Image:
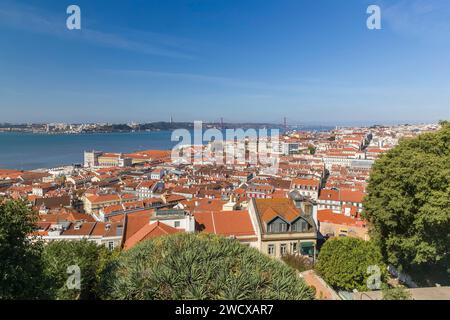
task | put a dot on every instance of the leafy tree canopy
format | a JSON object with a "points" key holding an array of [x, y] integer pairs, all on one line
{"points": [[200, 266], [408, 202], [95, 263], [21, 268], [344, 263]]}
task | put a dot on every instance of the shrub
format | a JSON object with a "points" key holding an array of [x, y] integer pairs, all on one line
{"points": [[344, 263], [201, 266], [96, 265]]}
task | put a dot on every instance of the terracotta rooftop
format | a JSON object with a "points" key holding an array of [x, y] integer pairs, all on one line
{"points": [[270, 208], [149, 231], [329, 216], [225, 223]]}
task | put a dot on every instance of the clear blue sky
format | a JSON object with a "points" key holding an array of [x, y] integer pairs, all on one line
{"points": [[243, 60]]}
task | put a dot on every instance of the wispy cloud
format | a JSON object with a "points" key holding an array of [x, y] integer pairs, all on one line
{"points": [[296, 88], [194, 77], [254, 88], [424, 19], [32, 19]]}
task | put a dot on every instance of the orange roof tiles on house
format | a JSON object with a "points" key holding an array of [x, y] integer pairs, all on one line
{"points": [[113, 208], [280, 194], [329, 194], [107, 229], [152, 201], [346, 195], [185, 190], [199, 205], [270, 208], [225, 223], [21, 189], [328, 216], [147, 184], [352, 195], [173, 198], [128, 196], [149, 231], [149, 154], [305, 182], [103, 198], [32, 197], [116, 218], [124, 206], [135, 221], [68, 216], [10, 174], [81, 229]]}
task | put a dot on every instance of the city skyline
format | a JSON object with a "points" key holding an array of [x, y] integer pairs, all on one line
{"points": [[252, 61]]}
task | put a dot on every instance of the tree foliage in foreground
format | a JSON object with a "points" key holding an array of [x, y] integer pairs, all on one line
{"points": [[21, 267], [408, 202], [397, 293], [200, 266], [95, 263], [344, 263]]}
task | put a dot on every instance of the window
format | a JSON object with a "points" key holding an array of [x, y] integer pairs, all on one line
{"points": [[177, 224], [111, 245], [271, 249], [305, 227], [307, 249], [300, 225], [283, 248], [278, 226], [293, 247]]}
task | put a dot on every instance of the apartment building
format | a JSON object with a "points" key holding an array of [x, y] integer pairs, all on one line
{"points": [[284, 226]]}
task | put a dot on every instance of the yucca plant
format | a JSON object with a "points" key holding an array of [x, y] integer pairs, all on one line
{"points": [[200, 266]]}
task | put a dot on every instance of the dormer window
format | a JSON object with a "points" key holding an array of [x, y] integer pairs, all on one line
{"points": [[300, 225], [277, 226]]}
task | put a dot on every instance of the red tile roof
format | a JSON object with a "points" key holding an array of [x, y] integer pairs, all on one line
{"points": [[225, 223], [149, 231], [305, 182], [270, 208], [103, 198], [328, 216], [345, 195], [135, 221]]}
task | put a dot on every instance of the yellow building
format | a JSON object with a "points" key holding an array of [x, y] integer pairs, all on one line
{"points": [[284, 226]]}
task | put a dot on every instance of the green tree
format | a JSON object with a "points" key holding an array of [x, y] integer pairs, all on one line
{"points": [[344, 263], [200, 266], [408, 202], [96, 264], [21, 268]]}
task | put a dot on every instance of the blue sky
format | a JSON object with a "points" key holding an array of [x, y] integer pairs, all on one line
{"points": [[243, 60]]}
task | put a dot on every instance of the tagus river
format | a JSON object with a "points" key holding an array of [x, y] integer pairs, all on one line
{"points": [[27, 151]]}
